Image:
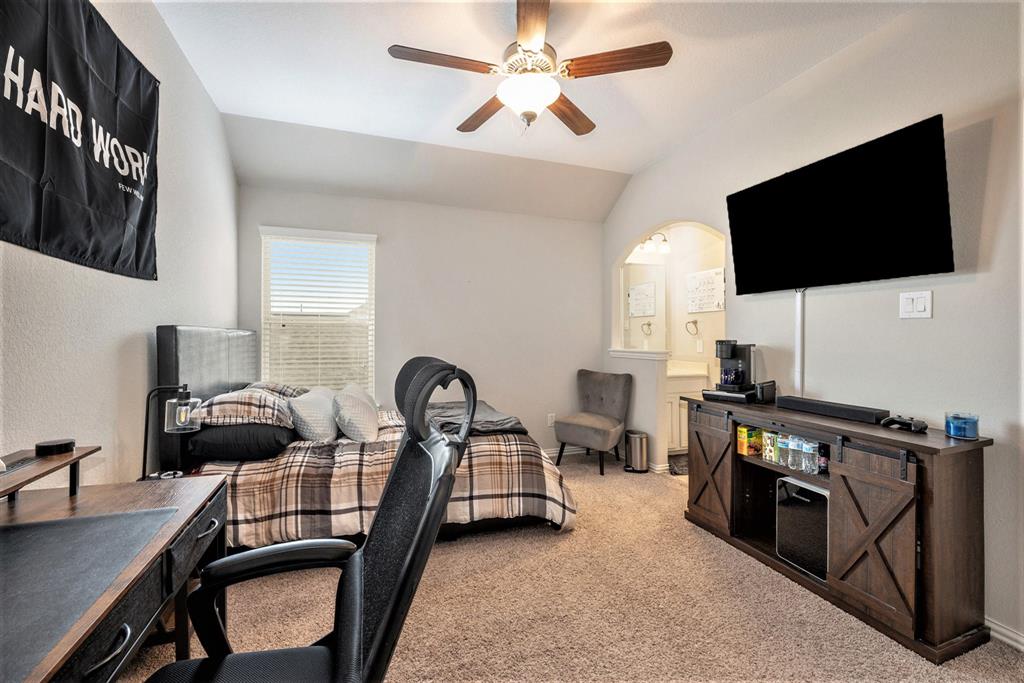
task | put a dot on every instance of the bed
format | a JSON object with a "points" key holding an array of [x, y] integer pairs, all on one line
{"points": [[331, 488]]}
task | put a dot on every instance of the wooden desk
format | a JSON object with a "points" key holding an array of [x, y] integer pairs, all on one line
{"points": [[111, 631]]}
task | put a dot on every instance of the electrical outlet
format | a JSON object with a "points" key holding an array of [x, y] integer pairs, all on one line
{"points": [[551, 419]]}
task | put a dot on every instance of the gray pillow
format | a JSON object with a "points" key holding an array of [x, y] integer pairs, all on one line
{"points": [[355, 413], [361, 393], [313, 415]]}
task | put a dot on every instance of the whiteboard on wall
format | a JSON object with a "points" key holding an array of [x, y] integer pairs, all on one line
{"points": [[705, 291], [642, 300]]}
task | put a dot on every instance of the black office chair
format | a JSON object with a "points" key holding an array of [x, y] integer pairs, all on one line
{"points": [[378, 580]]}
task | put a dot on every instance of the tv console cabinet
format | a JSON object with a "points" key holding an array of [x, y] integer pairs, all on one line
{"points": [[905, 518]]}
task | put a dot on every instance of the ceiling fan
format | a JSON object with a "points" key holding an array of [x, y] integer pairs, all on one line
{"points": [[530, 66]]}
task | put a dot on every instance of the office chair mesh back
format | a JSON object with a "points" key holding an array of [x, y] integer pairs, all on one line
{"points": [[407, 520]]}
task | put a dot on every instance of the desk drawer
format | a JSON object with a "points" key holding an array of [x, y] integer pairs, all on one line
{"points": [[119, 635], [188, 548]]}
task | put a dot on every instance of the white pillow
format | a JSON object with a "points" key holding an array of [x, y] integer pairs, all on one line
{"points": [[355, 412], [313, 415]]}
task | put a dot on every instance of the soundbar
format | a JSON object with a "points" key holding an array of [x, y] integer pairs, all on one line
{"points": [[840, 410]]}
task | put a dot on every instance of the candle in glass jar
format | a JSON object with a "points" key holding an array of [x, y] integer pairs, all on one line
{"points": [[962, 425]]}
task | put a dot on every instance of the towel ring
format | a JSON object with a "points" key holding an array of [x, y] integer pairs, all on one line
{"points": [[647, 328], [696, 329]]}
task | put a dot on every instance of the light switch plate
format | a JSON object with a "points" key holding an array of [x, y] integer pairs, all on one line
{"points": [[916, 304]]}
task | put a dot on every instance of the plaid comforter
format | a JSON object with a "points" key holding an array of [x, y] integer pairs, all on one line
{"points": [[323, 489]]}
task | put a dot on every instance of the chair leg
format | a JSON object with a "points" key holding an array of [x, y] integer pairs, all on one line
{"points": [[561, 449], [616, 452], [600, 455]]}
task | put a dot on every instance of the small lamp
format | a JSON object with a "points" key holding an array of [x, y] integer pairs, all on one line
{"points": [[181, 415]]}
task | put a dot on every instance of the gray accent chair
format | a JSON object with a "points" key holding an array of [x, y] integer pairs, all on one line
{"points": [[604, 402]]}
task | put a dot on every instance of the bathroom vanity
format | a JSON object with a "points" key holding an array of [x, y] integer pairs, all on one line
{"points": [[684, 377]]}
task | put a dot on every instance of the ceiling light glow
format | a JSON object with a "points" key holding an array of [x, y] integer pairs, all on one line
{"points": [[528, 94]]}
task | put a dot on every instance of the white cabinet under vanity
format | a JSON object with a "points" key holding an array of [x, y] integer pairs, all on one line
{"points": [[684, 377]]}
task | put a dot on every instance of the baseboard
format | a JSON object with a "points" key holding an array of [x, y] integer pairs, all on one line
{"points": [[1014, 639], [552, 454], [569, 450]]}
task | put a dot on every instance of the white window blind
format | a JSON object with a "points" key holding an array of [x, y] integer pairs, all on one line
{"points": [[317, 308]]}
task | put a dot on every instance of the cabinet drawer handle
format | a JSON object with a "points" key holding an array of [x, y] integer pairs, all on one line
{"points": [[127, 631], [214, 523]]}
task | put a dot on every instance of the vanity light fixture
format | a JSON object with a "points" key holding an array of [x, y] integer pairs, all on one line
{"points": [[656, 243]]}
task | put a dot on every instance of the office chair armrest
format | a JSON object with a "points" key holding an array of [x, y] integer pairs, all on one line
{"points": [[252, 564], [274, 559]]}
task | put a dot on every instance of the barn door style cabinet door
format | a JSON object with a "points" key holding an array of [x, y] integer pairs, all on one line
{"points": [[711, 467], [905, 520], [873, 534]]}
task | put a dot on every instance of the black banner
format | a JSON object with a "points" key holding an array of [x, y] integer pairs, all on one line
{"points": [[78, 133]]}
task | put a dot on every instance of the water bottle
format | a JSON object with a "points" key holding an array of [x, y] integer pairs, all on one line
{"points": [[810, 457], [796, 453], [782, 450]]}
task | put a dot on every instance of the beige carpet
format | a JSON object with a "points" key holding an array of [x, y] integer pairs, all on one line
{"points": [[634, 593]]}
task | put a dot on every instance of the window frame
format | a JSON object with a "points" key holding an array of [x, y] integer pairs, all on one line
{"points": [[317, 235]]}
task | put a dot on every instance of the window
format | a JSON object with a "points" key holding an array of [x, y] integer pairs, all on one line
{"points": [[317, 308]]}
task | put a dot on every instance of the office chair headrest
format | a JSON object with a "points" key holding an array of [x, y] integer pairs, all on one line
{"points": [[416, 382]]}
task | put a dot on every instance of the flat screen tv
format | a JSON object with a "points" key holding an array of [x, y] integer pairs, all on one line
{"points": [[874, 212]]}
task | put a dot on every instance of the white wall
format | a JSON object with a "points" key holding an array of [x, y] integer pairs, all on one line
{"points": [[633, 336], [78, 345], [514, 299], [694, 249], [958, 60]]}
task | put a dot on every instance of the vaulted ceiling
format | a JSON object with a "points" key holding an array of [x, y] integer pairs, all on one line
{"points": [[288, 156], [326, 65]]}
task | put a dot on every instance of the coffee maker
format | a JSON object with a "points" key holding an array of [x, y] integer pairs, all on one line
{"points": [[738, 373], [738, 366]]}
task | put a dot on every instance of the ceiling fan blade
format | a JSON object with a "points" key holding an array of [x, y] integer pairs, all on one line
{"points": [[569, 114], [480, 116], [532, 23], [438, 59], [626, 59]]}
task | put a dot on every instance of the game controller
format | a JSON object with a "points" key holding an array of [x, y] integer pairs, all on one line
{"points": [[907, 424]]}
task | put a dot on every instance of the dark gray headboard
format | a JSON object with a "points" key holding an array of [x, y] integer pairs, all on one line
{"points": [[211, 360]]}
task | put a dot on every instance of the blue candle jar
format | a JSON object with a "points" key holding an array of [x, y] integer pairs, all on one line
{"points": [[962, 425]]}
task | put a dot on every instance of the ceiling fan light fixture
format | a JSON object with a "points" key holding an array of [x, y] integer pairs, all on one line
{"points": [[528, 94]]}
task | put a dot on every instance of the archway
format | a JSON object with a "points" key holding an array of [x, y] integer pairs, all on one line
{"points": [[663, 332], [692, 247]]}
